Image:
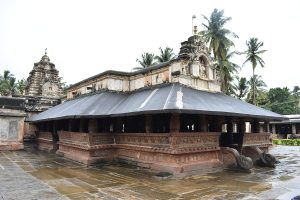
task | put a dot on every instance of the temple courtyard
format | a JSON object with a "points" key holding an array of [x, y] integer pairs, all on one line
{"points": [[31, 174]]}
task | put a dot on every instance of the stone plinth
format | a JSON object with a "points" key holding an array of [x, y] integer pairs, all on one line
{"points": [[11, 129]]}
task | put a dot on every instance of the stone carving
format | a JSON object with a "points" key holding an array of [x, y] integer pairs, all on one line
{"points": [[260, 157], [44, 79], [243, 162]]}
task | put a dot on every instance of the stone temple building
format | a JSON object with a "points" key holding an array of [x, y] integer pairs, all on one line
{"points": [[170, 117], [42, 92]]}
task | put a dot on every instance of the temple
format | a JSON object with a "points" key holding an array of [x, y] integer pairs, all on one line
{"points": [[42, 92], [171, 117]]}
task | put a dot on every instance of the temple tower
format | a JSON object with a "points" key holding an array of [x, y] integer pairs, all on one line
{"points": [[43, 80]]}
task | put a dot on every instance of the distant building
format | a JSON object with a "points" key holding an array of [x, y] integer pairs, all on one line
{"points": [[42, 92], [169, 117], [291, 125]]}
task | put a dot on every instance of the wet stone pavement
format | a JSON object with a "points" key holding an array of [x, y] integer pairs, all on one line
{"points": [[32, 174]]}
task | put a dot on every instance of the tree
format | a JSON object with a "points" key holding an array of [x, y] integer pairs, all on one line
{"points": [[281, 101], [253, 53], [256, 84], [21, 84], [215, 35], [8, 84], [226, 70], [146, 61], [165, 55], [241, 88]]}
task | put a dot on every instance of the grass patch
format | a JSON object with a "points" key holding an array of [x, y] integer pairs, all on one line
{"points": [[288, 142]]}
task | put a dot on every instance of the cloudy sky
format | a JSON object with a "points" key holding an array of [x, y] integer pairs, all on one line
{"points": [[87, 37]]}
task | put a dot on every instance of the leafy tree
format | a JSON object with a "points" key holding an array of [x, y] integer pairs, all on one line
{"points": [[226, 70], [21, 84], [215, 35], [146, 61], [256, 84], [282, 101], [166, 55], [8, 84], [241, 88], [253, 53]]}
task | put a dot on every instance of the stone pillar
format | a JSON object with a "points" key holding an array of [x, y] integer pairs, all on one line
{"points": [[294, 131], [255, 126], [118, 125], [241, 126], [148, 124], [81, 125], [216, 125], [229, 125], [266, 127], [174, 123], [92, 127], [70, 125], [273, 129], [203, 123]]}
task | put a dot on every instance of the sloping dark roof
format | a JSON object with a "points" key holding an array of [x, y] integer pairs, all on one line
{"points": [[171, 98]]}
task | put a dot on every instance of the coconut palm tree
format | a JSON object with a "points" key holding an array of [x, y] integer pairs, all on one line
{"points": [[226, 69], [146, 61], [253, 53], [215, 35], [7, 84], [165, 55], [241, 88], [21, 84], [258, 85]]}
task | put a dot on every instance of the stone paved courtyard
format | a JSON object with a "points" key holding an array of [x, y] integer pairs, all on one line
{"points": [[32, 174]]}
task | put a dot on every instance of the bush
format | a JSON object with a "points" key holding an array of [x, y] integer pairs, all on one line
{"points": [[289, 142]]}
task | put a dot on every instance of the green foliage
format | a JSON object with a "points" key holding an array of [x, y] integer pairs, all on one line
{"points": [[256, 84], [240, 88], [282, 101], [165, 55], [253, 53], [8, 85], [289, 142], [216, 35], [147, 60]]}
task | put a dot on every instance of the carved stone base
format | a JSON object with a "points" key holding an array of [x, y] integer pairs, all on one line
{"points": [[232, 159], [259, 157]]}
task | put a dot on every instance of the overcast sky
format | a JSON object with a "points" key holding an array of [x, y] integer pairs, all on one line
{"points": [[88, 37]]}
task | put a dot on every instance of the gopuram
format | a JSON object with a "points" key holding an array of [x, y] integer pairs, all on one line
{"points": [[171, 117]]}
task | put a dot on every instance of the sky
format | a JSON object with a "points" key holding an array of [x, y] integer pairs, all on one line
{"points": [[87, 37]]}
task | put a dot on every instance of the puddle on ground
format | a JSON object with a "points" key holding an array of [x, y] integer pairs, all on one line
{"points": [[60, 178]]}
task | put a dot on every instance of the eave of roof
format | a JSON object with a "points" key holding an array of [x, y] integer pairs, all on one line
{"points": [[172, 98]]}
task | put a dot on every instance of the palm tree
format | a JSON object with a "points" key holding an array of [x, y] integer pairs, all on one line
{"points": [[7, 84], [165, 55], [215, 35], [241, 88], [253, 56], [146, 61], [258, 85], [226, 70], [21, 84]]}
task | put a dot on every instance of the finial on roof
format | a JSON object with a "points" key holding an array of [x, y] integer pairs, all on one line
{"points": [[193, 17], [46, 51]]}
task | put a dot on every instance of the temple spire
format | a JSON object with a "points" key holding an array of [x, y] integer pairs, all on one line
{"points": [[46, 51]]}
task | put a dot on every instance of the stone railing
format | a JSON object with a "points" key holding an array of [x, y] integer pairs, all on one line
{"points": [[252, 139], [195, 139], [44, 135], [73, 137], [161, 140], [144, 139]]}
